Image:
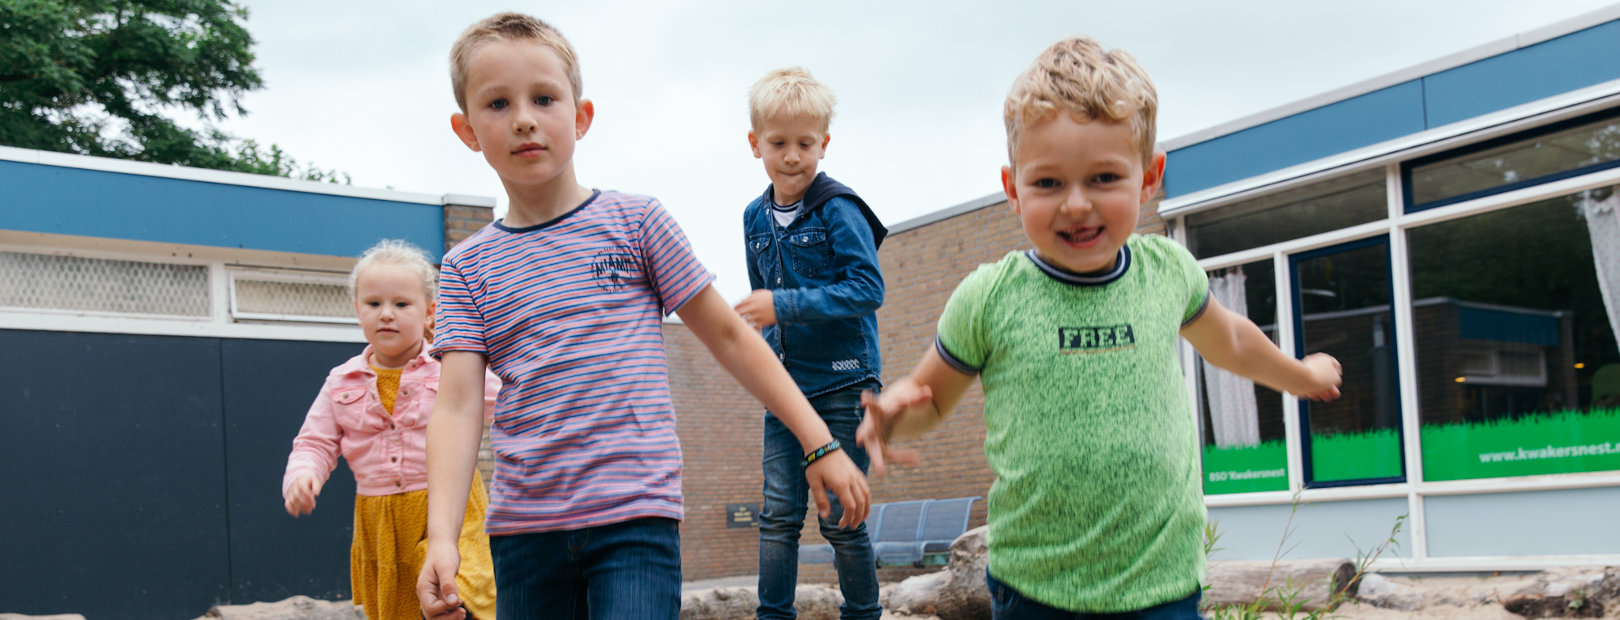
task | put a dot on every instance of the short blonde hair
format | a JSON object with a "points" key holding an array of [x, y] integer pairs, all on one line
{"points": [[510, 27], [1076, 75], [403, 254], [790, 92]]}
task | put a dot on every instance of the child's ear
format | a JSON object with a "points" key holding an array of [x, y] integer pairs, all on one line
{"points": [[1009, 187], [584, 113], [464, 130], [825, 138], [427, 327], [753, 143], [1152, 176]]}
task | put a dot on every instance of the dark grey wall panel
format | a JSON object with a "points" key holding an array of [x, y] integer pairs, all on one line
{"points": [[112, 474], [269, 385]]}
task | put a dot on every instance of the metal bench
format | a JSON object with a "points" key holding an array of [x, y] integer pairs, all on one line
{"points": [[912, 533]]}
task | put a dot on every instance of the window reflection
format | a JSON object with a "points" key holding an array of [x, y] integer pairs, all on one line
{"points": [[1585, 145], [1245, 446], [1519, 373], [1344, 299], [1300, 212]]}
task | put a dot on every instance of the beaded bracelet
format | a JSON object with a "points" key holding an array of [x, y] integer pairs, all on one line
{"points": [[832, 446]]}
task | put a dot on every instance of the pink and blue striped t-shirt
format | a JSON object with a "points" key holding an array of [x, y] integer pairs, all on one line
{"points": [[569, 314]]}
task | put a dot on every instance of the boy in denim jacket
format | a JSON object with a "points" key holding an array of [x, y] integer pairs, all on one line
{"points": [[812, 262]]}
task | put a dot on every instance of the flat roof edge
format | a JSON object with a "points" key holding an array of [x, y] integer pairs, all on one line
{"points": [[243, 179], [948, 212], [1420, 70]]}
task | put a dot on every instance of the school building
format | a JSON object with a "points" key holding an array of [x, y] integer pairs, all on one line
{"points": [[166, 329], [1449, 232]]}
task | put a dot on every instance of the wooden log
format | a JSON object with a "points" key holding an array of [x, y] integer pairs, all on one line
{"points": [[1310, 584]]}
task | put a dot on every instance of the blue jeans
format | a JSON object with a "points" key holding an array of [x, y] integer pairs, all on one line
{"points": [[1007, 604], [787, 497], [620, 570]]}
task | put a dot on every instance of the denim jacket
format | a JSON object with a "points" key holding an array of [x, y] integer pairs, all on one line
{"points": [[823, 274]]}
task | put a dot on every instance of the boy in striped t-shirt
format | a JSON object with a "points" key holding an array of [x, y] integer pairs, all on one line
{"points": [[563, 299]]}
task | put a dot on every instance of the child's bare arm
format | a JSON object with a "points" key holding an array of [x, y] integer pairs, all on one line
{"points": [[910, 406], [745, 355], [1233, 342], [454, 431]]}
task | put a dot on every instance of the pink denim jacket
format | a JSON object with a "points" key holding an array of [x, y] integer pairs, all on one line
{"points": [[388, 454]]}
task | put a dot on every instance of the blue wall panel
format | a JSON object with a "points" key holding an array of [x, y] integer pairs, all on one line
{"points": [[1560, 65], [1335, 128], [1320, 530], [94, 203], [1577, 521], [1573, 61]]}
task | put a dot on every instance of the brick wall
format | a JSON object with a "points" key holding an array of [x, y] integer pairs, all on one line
{"points": [[460, 222], [720, 427], [720, 424]]}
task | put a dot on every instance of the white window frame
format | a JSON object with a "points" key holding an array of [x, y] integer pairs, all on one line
{"points": [[1395, 226]]}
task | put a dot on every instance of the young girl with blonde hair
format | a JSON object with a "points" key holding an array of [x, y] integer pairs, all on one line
{"points": [[373, 410]]}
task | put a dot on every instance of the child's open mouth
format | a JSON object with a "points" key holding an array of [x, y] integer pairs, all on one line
{"points": [[1081, 236]]}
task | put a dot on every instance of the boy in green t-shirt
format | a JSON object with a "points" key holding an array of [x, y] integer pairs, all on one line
{"points": [[1096, 507]]}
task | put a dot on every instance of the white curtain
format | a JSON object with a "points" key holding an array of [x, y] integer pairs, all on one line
{"points": [[1603, 222], [1232, 410]]}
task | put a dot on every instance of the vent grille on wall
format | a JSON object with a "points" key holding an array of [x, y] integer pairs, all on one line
{"points": [[72, 283], [268, 296]]}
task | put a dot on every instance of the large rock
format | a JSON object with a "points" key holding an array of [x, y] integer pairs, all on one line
{"points": [[295, 608], [812, 602], [1567, 594], [955, 593], [1314, 585]]}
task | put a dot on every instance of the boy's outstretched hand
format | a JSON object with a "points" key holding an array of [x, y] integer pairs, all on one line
{"points": [[1327, 374], [436, 585], [758, 309], [882, 411], [835, 472]]}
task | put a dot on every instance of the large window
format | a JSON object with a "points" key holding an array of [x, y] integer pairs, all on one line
{"points": [[1514, 314], [1566, 149], [1245, 445], [1316, 208], [1342, 295], [1518, 368]]}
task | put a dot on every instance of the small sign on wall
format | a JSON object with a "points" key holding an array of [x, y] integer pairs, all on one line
{"points": [[742, 515]]}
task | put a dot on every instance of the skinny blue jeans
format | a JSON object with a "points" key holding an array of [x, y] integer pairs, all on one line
{"points": [[787, 498]]}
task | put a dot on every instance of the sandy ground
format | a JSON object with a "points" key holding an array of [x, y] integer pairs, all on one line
{"points": [[1455, 597]]}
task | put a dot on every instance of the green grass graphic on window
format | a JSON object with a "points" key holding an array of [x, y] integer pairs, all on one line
{"points": [[1355, 456], [1247, 469], [1566, 442]]}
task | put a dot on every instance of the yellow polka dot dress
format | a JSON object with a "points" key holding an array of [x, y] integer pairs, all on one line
{"points": [[390, 544]]}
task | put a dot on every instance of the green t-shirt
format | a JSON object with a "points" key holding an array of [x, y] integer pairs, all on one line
{"points": [[1096, 505]]}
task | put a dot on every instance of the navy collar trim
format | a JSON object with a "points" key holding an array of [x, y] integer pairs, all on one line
{"points": [[501, 223], [785, 208], [1121, 265]]}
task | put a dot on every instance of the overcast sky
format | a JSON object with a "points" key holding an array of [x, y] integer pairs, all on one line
{"points": [[363, 87]]}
